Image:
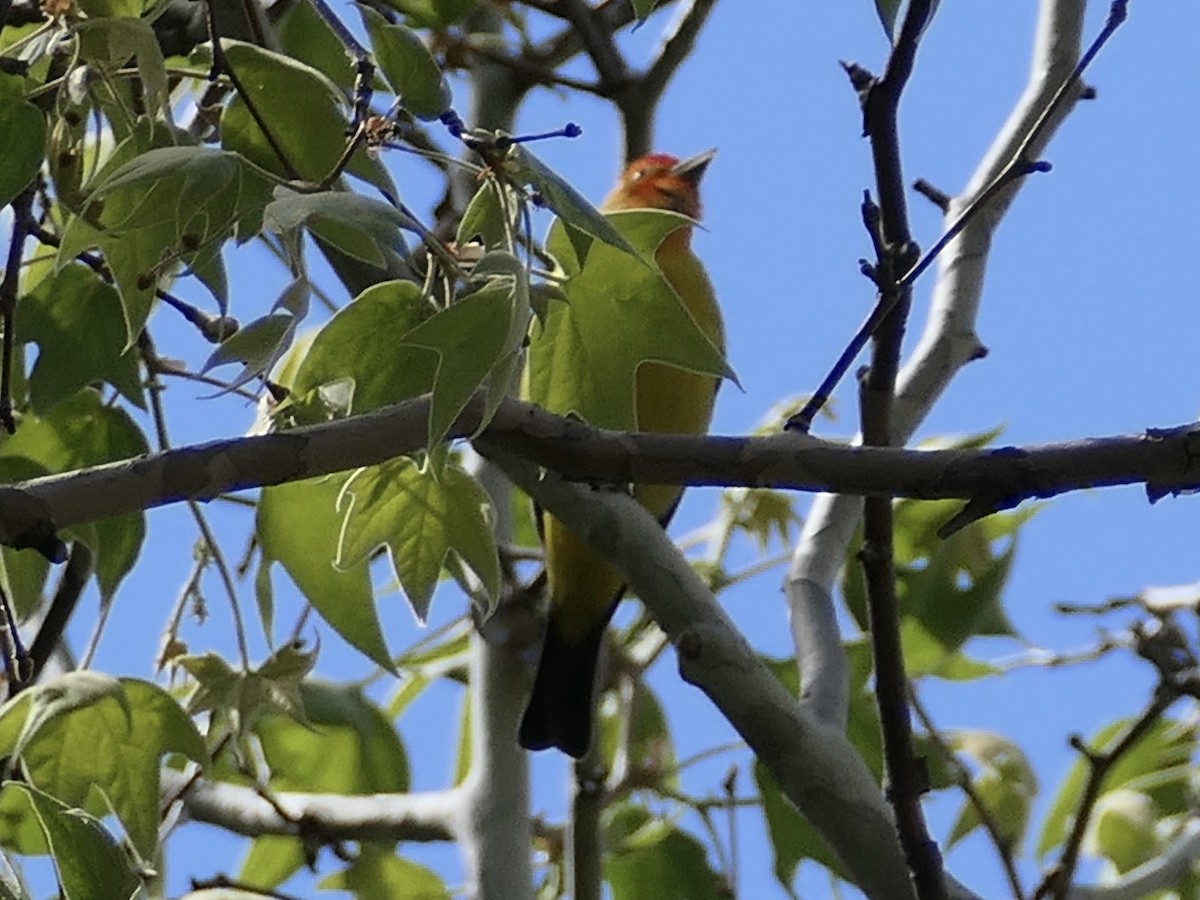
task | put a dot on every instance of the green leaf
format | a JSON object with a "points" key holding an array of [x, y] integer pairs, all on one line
{"points": [[109, 43], [1004, 781], [792, 839], [298, 526], [572, 208], [650, 859], [484, 217], [23, 575], [643, 8], [136, 229], [22, 139], [642, 733], [347, 747], [154, 208], [257, 345], [420, 517], [950, 589], [312, 134], [77, 433], [471, 338], [1124, 830], [246, 696], [619, 313], [85, 732], [1158, 765], [379, 874], [20, 830], [363, 228], [361, 345], [305, 36], [76, 321], [90, 863], [408, 66]]}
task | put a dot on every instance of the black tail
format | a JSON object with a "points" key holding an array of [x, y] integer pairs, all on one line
{"points": [[561, 707]]}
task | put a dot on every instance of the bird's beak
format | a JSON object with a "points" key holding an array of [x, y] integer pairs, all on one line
{"points": [[693, 168]]}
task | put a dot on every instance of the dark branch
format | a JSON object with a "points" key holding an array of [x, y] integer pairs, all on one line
{"points": [[1166, 461]]}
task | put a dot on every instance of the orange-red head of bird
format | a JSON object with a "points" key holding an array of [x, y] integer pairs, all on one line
{"points": [[660, 181]]}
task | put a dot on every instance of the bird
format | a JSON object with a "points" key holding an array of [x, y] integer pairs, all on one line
{"points": [[583, 589]]}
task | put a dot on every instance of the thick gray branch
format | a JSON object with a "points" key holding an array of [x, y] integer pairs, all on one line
{"points": [[1165, 461], [814, 764], [947, 343], [430, 816]]}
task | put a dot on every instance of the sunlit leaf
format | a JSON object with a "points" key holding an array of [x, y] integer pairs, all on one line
{"points": [[620, 312], [1158, 765], [85, 731], [89, 861], [361, 345], [299, 527], [1003, 781], [377, 874], [419, 517]]}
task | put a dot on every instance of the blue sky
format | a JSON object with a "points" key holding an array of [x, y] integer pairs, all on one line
{"points": [[1089, 313]]}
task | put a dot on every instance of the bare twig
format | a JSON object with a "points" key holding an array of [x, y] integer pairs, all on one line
{"points": [[62, 606], [639, 96], [1019, 165], [963, 779], [221, 65], [907, 776], [160, 425], [1057, 881], [22, 206]]}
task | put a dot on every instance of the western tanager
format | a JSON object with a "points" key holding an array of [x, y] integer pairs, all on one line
{"points": [[584, 590]]}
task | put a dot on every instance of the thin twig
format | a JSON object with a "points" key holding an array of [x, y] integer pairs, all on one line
{"points": [[1057, 881], [188, 593], [221, 65], [22, 207], [62, 606], [1018, 167], [1021, 165], [160, 425], [963, 778], [907, 777]]}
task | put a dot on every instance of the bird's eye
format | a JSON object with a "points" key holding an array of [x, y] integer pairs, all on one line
{"points": [[637, 174]]}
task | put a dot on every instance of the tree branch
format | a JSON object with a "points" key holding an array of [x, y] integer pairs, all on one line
{"points": [[429, 816], [948, 343], [815, 765], [907, 776], [1167, 461]]}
